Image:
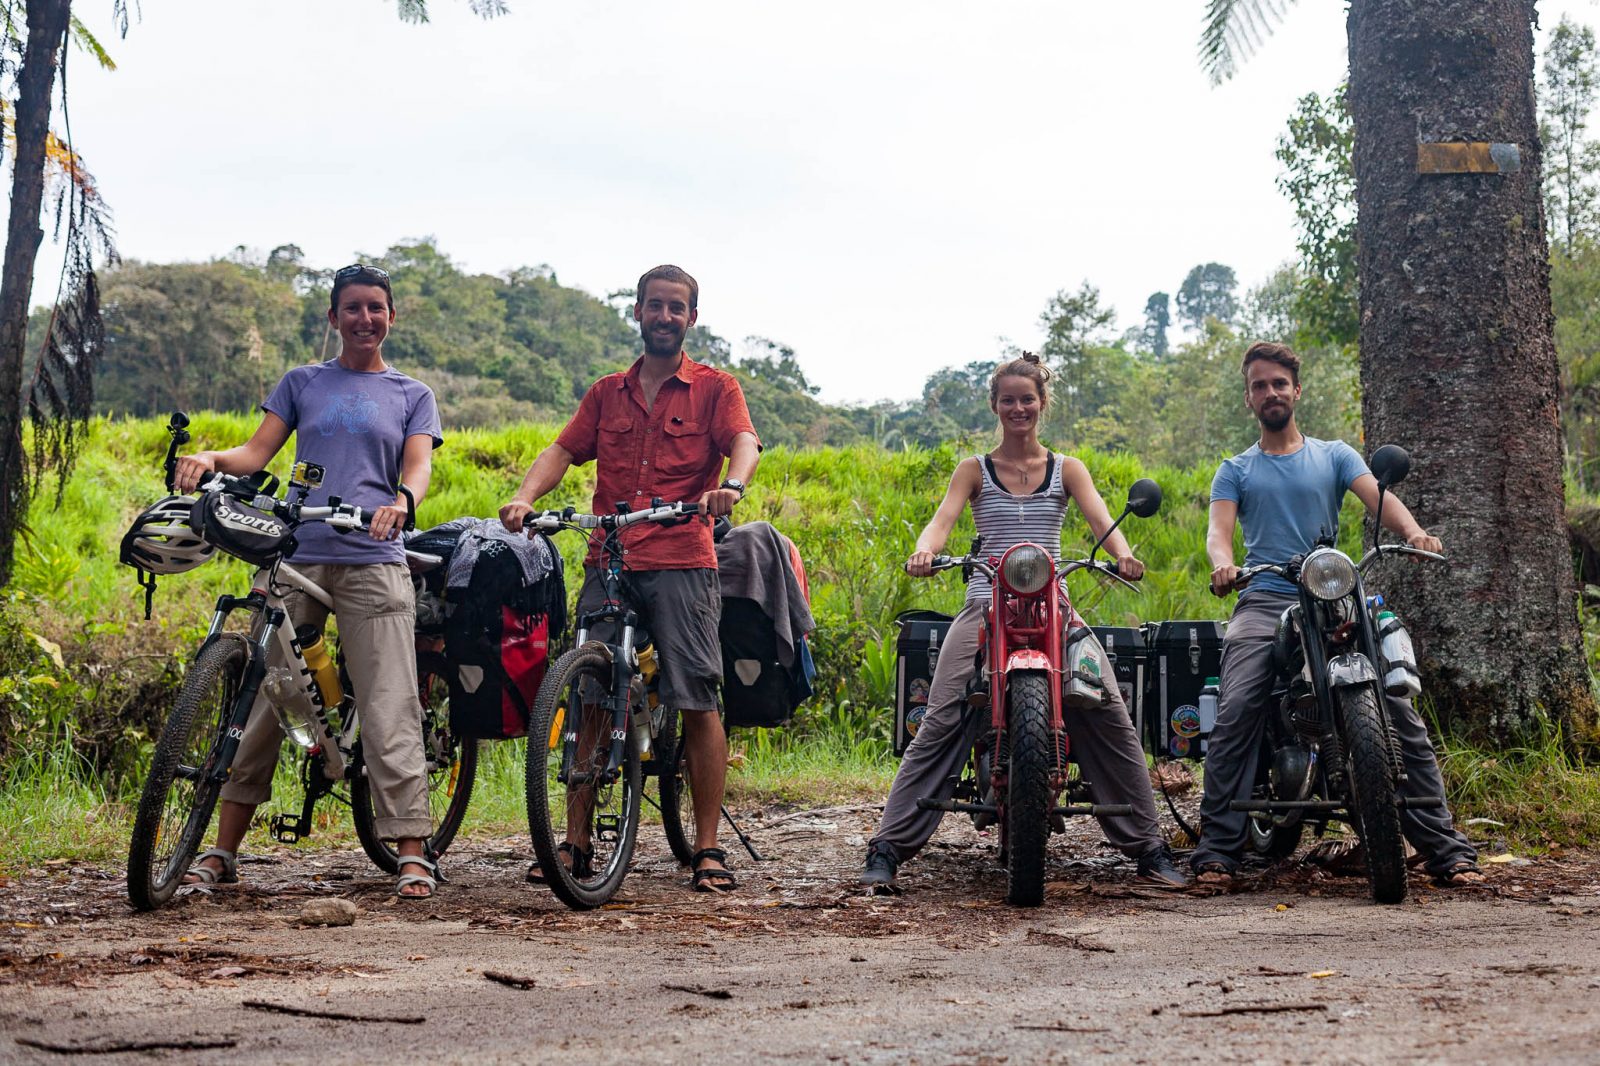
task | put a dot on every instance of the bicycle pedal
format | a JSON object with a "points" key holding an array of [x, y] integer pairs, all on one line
{"points": [[608, 827], [287, 829]]}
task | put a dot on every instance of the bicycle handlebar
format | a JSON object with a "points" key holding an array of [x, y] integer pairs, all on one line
{"points": [[570, 518]]}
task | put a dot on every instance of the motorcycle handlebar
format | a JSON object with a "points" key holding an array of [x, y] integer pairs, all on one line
{"points": [[1400, 549], [1063, 567]]}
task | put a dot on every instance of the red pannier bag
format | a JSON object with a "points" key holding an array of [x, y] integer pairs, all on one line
{"points": [[497, 636]]}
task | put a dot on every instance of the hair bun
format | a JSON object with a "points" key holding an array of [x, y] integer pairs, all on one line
{"points": [[1029, 357]]}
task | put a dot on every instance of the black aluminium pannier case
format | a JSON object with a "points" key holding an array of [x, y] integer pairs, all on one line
{"points": [[1182, 656], [919, 631], [1130, 661]]}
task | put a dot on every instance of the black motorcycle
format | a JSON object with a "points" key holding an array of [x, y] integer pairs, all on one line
{"points": [[1329, 750]]}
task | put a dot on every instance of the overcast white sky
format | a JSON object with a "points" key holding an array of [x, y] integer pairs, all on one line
{"points": [[888, 187]]}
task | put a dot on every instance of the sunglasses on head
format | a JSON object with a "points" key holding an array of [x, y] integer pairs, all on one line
{"points": [[359, 268]]}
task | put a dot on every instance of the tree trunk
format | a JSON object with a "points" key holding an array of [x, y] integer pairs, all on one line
{"points": [[47, 28], [1458, 359]]}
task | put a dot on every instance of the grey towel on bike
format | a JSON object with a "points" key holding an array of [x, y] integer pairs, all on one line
{"points": [[753, 562], [487, 536]]}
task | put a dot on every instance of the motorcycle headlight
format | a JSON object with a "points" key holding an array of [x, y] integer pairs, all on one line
{"points": [[1328, 574], [1026, 569]]}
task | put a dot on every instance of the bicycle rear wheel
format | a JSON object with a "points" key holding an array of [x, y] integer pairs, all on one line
{"points": [[577, 802], [180, 792], [677, 797], [452, 769]]}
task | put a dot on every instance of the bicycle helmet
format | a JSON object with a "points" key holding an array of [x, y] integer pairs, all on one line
{"points": [[161, 541]]}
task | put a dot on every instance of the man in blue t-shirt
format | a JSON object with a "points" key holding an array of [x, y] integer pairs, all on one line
{"points": [[1286, 491]]}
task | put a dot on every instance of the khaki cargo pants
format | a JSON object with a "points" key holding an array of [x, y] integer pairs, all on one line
{"points": [[377, 617]]}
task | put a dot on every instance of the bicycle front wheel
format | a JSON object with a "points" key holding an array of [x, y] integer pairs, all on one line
{"points": [[452, 768], [583, 814], [180, 792]]}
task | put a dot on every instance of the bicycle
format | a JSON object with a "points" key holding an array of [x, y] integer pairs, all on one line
{"points": [[603, 730], [320, 713]]}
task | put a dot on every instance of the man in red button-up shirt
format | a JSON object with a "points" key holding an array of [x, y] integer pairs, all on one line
{"points": [[661, 430]]}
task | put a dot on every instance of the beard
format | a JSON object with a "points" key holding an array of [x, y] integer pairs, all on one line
{"points": [[1275, 418], [664, 344]]}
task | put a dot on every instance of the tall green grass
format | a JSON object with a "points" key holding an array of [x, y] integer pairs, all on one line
{"points": [[75, 736]]}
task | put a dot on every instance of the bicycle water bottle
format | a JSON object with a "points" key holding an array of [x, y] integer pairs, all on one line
{"points": [[322, 668], [292, 702], [1401, 677], [1208, 711], [642, 707]]}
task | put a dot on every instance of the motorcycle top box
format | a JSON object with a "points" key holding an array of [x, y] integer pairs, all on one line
{"points": [[1184, 656], [917, 648]]}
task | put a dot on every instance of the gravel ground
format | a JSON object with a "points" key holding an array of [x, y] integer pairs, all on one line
{"points": [[1294, 964]]}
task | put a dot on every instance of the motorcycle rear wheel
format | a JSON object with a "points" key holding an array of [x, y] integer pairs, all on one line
{"points": [[1373, 793], [1266, 837], [1028, 794]]}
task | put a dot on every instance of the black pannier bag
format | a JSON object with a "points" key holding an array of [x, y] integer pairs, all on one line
{"points": [[765, 618], [499, 624]]}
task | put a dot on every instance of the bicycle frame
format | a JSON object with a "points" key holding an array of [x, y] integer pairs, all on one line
{"points": [[613, 608], [272, 628], [624, 664]]}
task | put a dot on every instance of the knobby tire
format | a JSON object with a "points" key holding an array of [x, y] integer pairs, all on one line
{"points": [[162, 846], [1028, 793], [550, 803], [1373, 792]]}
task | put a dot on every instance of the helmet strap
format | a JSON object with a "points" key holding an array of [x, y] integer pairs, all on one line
{"points": [[147, 581]]}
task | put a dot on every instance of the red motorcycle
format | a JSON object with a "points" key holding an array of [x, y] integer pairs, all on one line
{"points": [[1019, 770]]}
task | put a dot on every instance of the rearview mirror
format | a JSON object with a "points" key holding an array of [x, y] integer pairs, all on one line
{"points": [[1390, 465], [1144, 497]]}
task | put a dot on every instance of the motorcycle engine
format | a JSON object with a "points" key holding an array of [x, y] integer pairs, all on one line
{"points": [[1293, 767]]}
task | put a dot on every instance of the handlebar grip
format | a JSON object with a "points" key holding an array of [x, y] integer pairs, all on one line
{"points": [[411, 508]]}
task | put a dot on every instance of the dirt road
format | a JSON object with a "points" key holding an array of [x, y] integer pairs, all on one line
{"points": [[798, 966]]}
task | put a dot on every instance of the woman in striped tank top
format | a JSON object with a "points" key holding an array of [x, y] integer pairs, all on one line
{"points": [[1018, 492]]}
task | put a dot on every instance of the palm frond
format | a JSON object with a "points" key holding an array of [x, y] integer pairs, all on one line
{"points": [[417, 10], [1232, 30], [87, 41]]}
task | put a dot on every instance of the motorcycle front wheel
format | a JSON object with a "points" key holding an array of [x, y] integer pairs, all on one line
{"points": [[1028, 794], [1373, 792]]}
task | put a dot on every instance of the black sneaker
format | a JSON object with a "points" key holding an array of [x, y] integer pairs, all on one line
{"points": [[1158, 868], [878, 873]]}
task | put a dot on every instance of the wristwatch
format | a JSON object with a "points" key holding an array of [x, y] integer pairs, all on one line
{"points": [[733, 483]]}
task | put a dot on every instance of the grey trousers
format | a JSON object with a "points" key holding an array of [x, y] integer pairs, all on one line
{"points": [[1235, 747], [1104, 744], [377, 620]]}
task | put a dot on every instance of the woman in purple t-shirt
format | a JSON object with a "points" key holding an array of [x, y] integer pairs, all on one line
{"points": [[371, 427]]}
